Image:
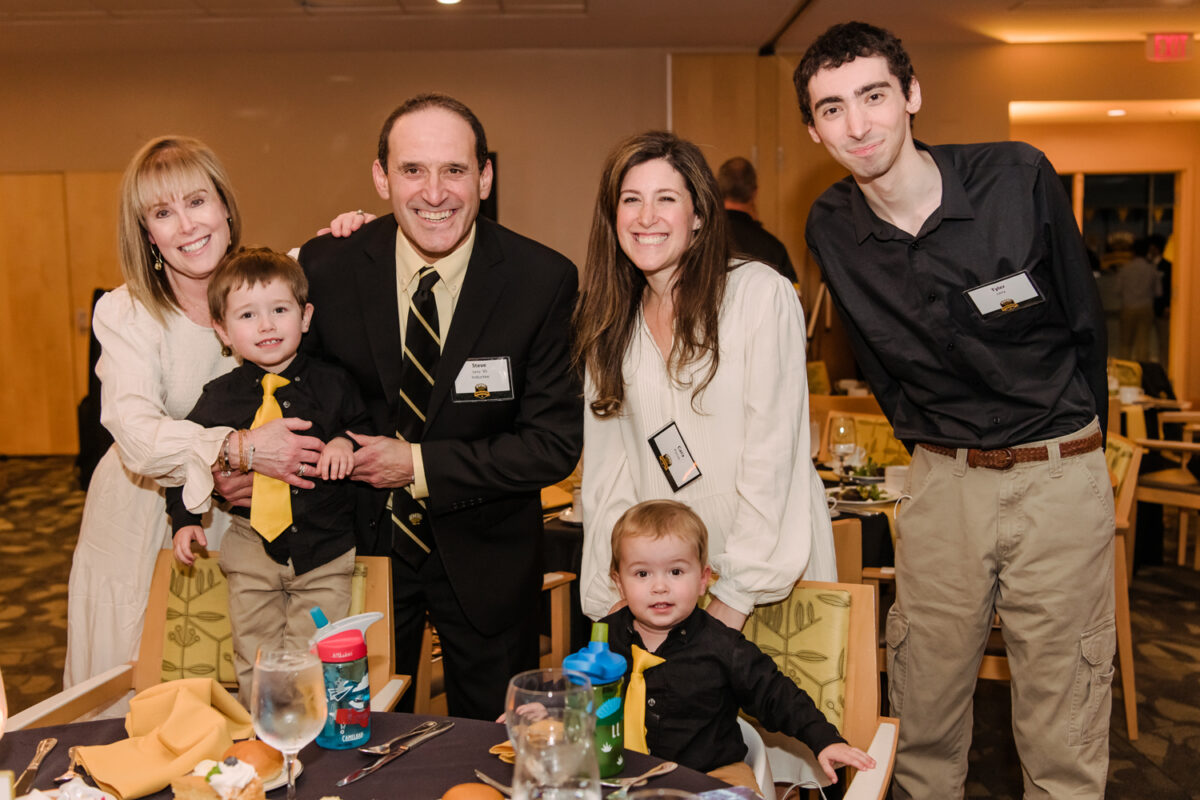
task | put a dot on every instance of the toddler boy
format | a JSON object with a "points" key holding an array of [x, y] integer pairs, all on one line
{"points": [[704, 670], [293, 549]]}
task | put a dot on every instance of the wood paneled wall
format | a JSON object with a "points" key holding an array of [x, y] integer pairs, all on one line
{"points": [[57, 243]]}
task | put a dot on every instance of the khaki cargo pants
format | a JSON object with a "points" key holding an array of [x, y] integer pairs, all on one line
{"points": [[1034, 543]]}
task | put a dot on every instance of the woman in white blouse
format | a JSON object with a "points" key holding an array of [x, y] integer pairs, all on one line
{"points": [[178, 218], [698, 357]]}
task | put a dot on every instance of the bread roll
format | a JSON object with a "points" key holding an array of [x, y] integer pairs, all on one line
{"points": [[266, 760]]}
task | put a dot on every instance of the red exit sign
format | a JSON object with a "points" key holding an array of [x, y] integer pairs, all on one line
{"points": [[1168, 46]]}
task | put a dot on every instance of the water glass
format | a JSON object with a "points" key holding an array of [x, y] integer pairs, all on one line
{"points": [[551, 720], [842, 441], [287, 703]]}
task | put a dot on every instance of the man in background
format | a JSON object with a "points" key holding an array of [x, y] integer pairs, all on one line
{"points": [[739, 187]]}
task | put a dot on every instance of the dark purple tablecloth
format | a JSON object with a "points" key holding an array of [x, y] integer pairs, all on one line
{"points": [[424, 774]]}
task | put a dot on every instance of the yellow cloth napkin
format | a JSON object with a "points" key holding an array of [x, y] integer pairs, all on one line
{"points": [[172, 727]]}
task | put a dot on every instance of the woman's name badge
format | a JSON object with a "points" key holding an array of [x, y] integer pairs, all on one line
{"points": [[673, 456], [483, 379], [1010, 293]]}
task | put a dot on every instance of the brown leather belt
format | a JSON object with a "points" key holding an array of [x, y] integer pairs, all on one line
{"points": [[1005, 458]]}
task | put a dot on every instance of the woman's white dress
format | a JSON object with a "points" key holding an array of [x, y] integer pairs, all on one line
{"points": [[151, 376], [758, 493]]}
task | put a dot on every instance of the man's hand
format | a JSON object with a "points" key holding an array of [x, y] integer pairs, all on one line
{"points": [[725, 614], [234, 489], [384, 462]]}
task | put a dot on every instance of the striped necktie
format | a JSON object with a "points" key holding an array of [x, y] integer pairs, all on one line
{"points": [[635, 700], [412, 538], [271, 503]]}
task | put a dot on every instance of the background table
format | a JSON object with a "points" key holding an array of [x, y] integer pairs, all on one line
{"points": [[425, 773]]}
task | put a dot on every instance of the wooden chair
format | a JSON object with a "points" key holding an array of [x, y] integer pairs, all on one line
{"points": [[1175, 486], [847, 546], [857, 696], [430, 684], [372, 590]]}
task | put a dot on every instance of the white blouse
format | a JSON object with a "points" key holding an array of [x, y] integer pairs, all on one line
{"points": [[758, 493]]}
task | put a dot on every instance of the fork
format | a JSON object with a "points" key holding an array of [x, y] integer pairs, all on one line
{"points": [[70, 774]]}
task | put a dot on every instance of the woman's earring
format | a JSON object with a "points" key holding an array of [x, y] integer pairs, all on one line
{"points": [[158, 259]]}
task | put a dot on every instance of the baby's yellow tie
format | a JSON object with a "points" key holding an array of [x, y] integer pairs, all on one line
{"points": [[271, 504], [635, 700]]}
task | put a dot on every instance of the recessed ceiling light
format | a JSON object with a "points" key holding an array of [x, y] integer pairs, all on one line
{"points": [[449, 2], [1116, 112]]}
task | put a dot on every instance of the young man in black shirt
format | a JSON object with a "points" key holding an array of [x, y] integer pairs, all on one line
{"points": [[965, 288]]}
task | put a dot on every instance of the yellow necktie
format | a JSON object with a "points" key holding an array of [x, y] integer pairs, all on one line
{"points": [[271, 504], [635, 700]]}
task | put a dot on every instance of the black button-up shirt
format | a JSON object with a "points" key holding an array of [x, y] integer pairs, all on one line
{"points": [[942, 372], [750, 238], [692, 699], [323, 517]]}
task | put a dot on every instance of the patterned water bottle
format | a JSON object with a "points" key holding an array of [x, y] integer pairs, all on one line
{"points": [[347, 690], [606, 670]]}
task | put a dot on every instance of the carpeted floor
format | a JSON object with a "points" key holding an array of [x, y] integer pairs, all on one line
{"points": [[40, 507]]}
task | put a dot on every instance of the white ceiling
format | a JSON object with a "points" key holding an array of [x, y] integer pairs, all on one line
{"points": [[63, 26]]}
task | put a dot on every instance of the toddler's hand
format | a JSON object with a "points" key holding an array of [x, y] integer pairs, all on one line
{"points": [[183, 543], [843, 755], [337, 459]]}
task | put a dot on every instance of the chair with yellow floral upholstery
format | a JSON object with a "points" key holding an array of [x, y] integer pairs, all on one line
{"points": [[823, 636], [187, 635], [818, 378]]}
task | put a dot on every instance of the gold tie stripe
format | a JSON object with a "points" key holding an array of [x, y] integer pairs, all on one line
{"points": [[635, 700], [271, 503]]}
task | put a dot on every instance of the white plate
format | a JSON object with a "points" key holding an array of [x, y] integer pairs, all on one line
{"points": [[281, 778], [568, 516], [886, 496]]}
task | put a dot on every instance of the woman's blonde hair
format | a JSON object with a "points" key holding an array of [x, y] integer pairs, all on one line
{"points": [[169, 166], [611, 292]]}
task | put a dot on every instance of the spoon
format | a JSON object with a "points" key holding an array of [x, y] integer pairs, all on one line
{"points": [[70, 774]]}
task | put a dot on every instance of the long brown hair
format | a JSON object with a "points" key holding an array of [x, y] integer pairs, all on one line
{"points": [[612, 288], [165, 166]]}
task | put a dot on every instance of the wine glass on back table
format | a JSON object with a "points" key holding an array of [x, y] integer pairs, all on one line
{"points": [[842, 442], [287, 703]]}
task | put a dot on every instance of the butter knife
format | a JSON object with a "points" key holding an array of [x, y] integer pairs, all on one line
{"points": [[400, 750], [25, 782]]}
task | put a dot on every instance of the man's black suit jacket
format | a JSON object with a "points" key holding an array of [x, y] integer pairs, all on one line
{"points": [[485, 461]]}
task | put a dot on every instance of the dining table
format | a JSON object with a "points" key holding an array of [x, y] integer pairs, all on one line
{"points": [[425, 773]]}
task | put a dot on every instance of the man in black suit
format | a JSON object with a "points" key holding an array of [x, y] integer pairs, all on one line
{"points": [[454, 495], [739, 188]]}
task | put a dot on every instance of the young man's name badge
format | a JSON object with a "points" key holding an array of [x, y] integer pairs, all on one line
{"points": [[1006, 295], [673, 456], [482, 380]]}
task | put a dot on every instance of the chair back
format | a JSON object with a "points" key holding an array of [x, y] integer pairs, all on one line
{"points": [[847, 547], [1124, 459], [839, 670], [187, 633], [1127, 373], [818, 378]]}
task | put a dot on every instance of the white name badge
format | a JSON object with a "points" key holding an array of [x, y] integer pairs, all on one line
{"points": [[673, 456], [1010, 293], [484, 379]]}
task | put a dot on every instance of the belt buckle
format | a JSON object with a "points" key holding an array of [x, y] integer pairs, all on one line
{"points": [[1007, 457]]}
